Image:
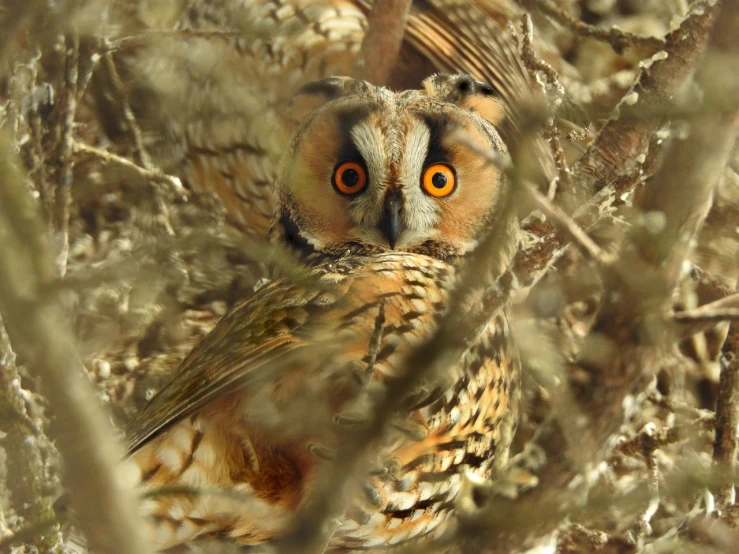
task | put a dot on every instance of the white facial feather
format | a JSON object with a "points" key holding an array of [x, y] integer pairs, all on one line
{"points": [[421, 213], [370, 142]]}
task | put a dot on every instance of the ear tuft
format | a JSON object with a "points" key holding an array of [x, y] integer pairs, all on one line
{"points": [[465, 92], [465, 85]]}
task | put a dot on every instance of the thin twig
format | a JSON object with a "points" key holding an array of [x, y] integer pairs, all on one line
{"points": [[645, 444], [643, 526], [535, 66], [63, 198], [533, 63], [618, 39], [704, 418], [724, 309], [702, 315], [651, 438], [568, 225], [141, 156], [132, 41], [560, 162], [151, 174]]}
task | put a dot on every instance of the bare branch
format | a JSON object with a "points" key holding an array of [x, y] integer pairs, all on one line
{"points": [[618, 39], [568, 225], [151, 174], [727, 417], [27, 450], [625, 137], [64, 185], [38, 329], [708, 316], [381, 44], [134, 132]]}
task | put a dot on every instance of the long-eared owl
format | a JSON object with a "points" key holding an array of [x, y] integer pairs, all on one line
{"points": [[385, 206]]}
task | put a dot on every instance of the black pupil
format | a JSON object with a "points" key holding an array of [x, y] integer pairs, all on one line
{"points": [[439, 180], [350, 178]]}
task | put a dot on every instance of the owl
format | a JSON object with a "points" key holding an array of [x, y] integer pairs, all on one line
{"points": [[204, 101], [384, 207]]}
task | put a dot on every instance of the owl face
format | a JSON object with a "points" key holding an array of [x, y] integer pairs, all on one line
{"points": [[370, 170]]}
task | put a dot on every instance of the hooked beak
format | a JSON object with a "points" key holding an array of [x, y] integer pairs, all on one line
{"points": [[390, 224]]}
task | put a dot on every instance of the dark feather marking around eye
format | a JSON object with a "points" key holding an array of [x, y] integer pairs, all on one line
{"points": [[439, 126], [293, 237], [330, 88], [349, 118]]}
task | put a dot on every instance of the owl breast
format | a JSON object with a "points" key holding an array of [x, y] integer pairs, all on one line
{"points": [[320, 358]]}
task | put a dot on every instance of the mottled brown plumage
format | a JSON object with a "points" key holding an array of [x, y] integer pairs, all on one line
{"points": [[270, 396]]}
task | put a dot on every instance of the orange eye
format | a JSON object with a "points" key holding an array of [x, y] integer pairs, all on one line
{"points": [[350, 178], [439, 180]]}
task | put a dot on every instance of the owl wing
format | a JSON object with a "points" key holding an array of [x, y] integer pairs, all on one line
{"points": [[248, 345]]}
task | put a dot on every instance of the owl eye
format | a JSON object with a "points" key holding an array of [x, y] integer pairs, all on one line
{"points": [[350, 178], [439, 180]]}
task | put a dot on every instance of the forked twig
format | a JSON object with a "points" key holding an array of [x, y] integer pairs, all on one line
{"points": [[134, 132], [618, 39], [151, 174], [568, 225]]}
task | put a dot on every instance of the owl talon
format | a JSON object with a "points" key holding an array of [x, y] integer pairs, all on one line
{"points": [[415, 430], [350, 419], [320, 451]]}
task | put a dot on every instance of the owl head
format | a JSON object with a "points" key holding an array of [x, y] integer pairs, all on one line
{"points": [[370, 170]]}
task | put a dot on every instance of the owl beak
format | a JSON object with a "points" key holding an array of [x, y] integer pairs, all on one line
{"points": [[390, 224]]}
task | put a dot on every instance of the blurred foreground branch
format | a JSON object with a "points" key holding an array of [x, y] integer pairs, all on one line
{"points": [[39, 332]]}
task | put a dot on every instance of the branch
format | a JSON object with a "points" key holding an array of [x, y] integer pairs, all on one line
{"points": [[150, 174], [381, 44], [40, 332], [707, 316], [727, 417], [63, 197], [133, 41], [29, 478], [568, 226], [626, 134], [618, 39]]}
